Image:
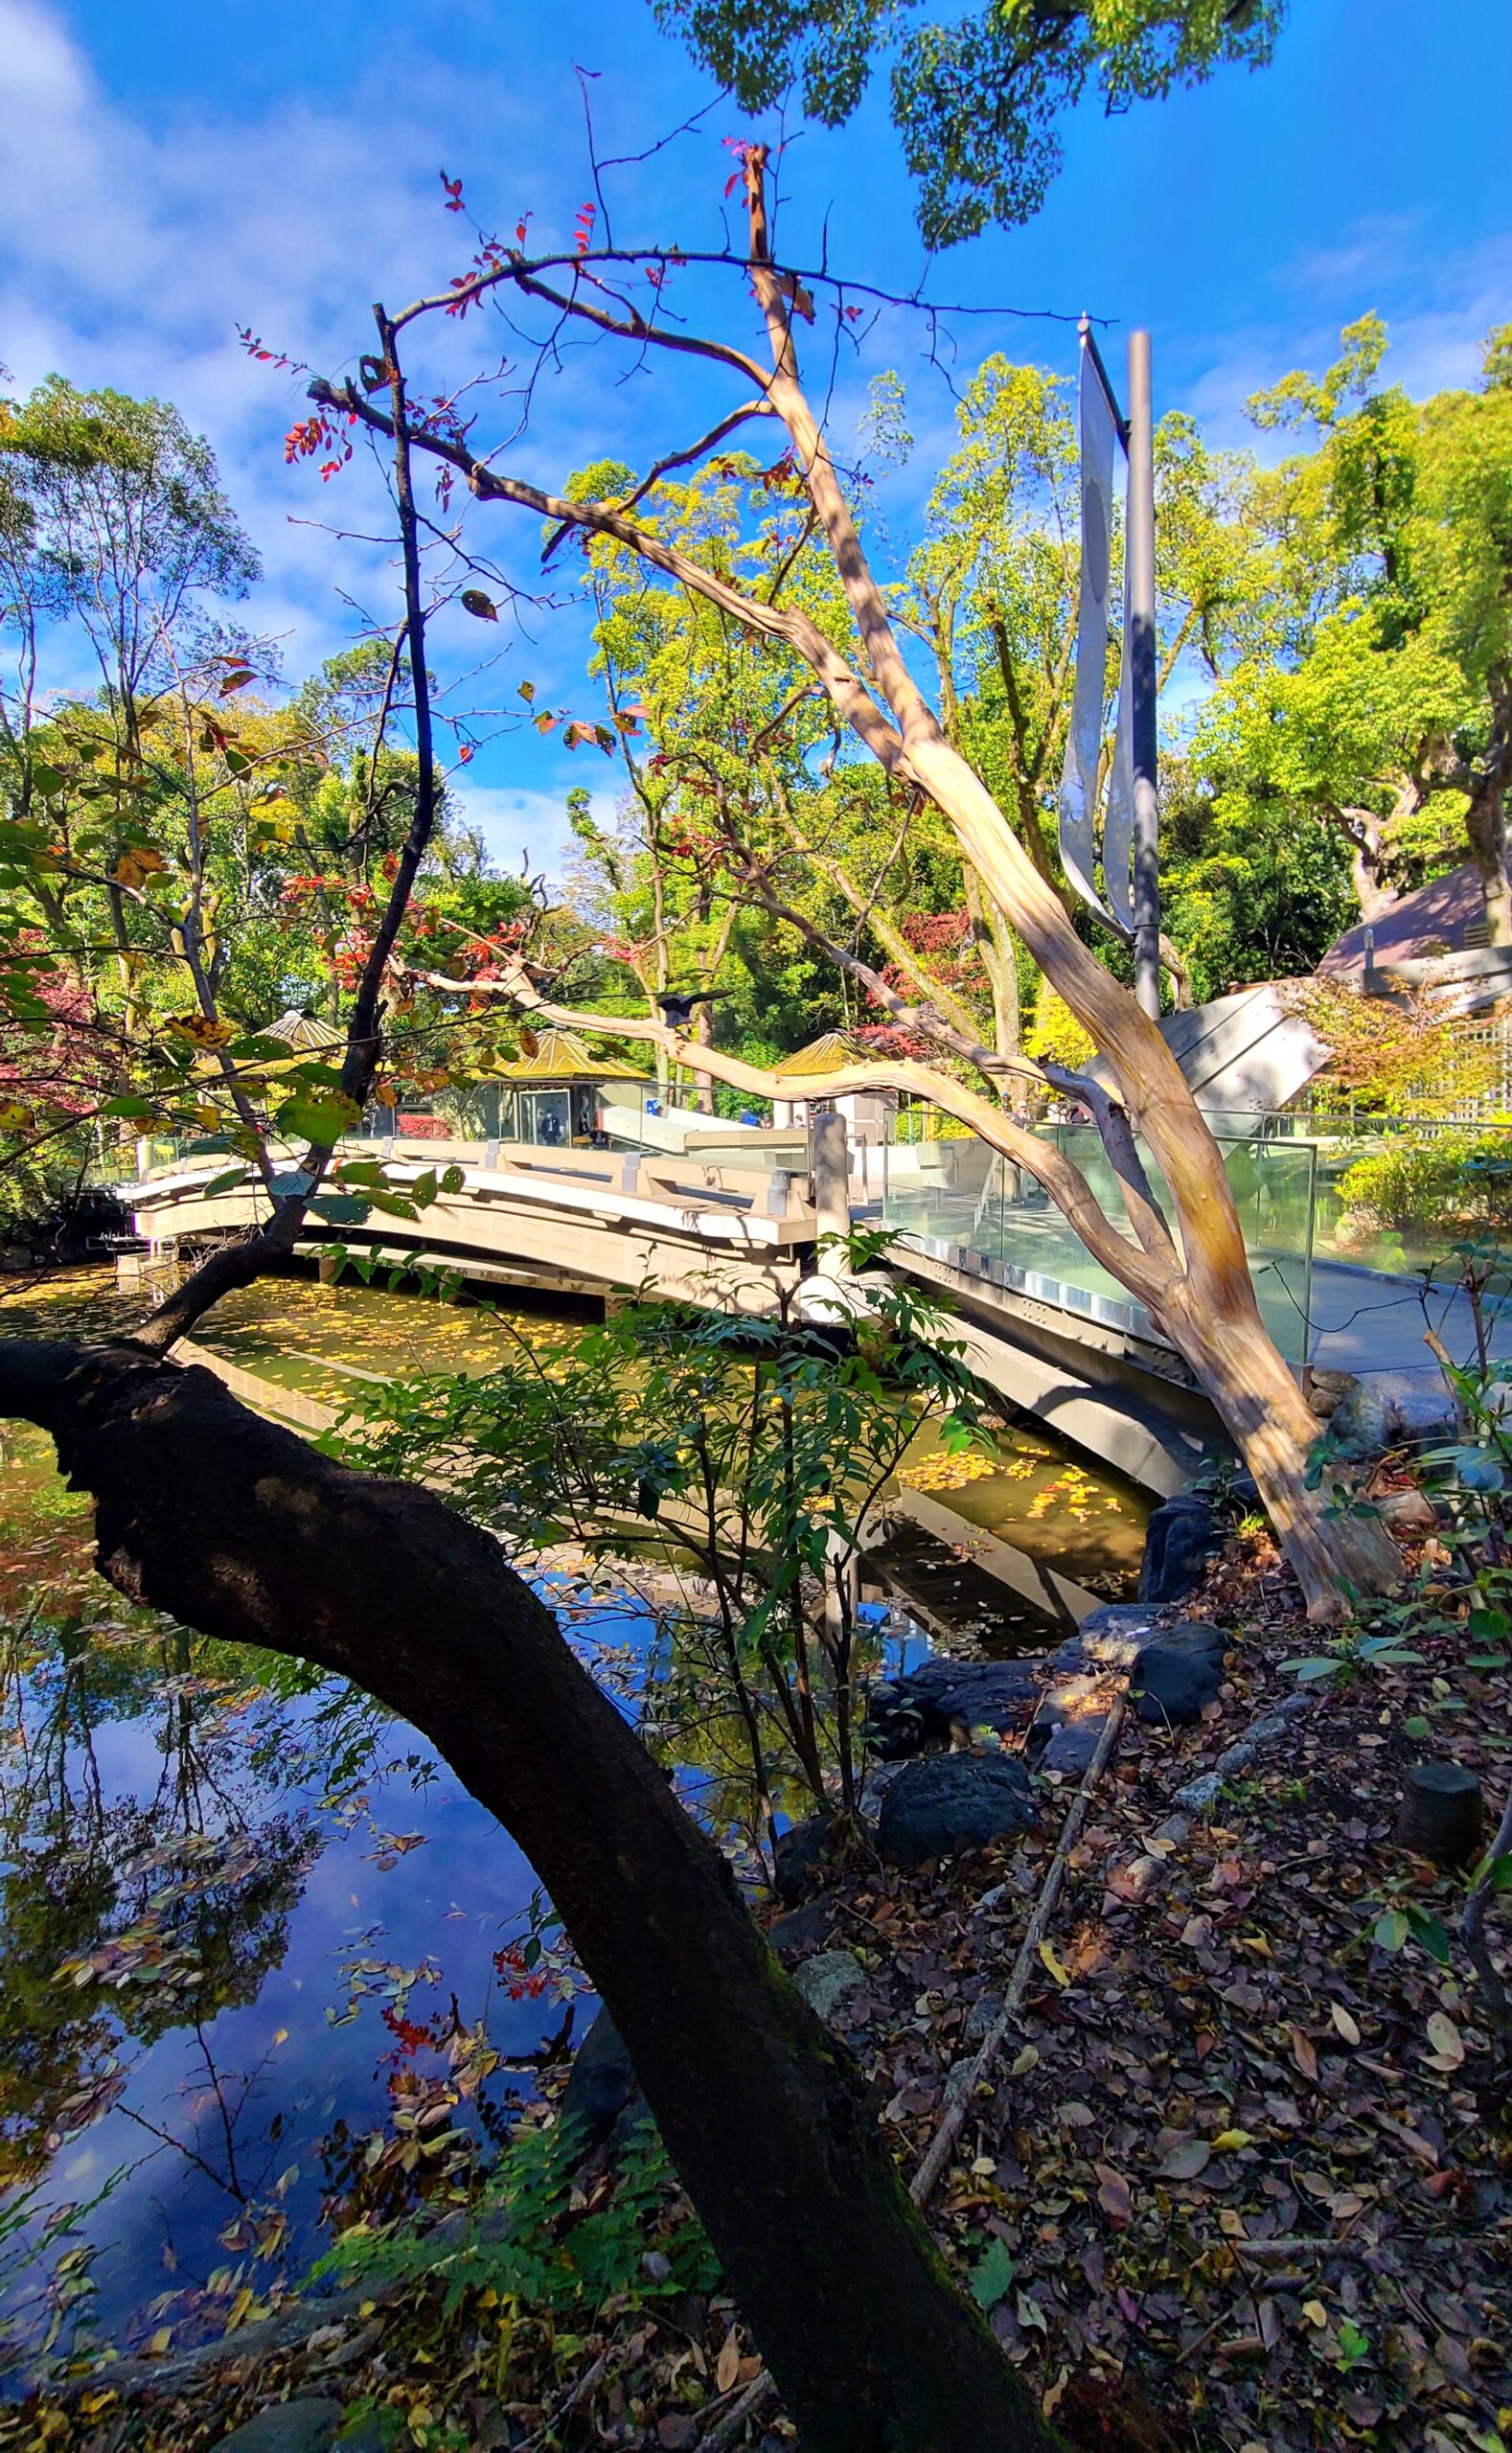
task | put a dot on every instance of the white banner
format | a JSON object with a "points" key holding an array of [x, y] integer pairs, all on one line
{"points": [[1078, 827]]}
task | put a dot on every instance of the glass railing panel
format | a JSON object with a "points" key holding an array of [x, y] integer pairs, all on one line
{"points": [[985, 1215]]}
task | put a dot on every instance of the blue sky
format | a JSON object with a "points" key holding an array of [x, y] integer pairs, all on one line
{"points": [[168, 172]]}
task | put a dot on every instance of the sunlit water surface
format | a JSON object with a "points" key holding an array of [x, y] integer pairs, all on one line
{"points": [[233, 1891]]}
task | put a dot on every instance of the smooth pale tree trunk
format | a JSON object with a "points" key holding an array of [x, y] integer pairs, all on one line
{"points": [[1209, 1308], [235, 1526]]}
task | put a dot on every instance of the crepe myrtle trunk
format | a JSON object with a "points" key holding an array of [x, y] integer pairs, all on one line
{"points": [[239, 1528]]}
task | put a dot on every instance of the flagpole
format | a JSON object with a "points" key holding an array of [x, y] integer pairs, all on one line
{"points": [[1139, 546]]}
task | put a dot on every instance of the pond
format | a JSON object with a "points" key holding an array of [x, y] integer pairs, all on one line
{"points": [[245, 1913]]}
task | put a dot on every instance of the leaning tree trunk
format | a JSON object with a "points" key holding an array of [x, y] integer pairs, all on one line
{"points": [[1209, 1308], [237, 1527], [1485, 825]]}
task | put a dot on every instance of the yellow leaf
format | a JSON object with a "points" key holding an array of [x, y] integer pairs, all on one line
{"points": [[1060, 1974], [1228, 2140], [282, 2036], [1444, 2037], [161, 2339], [15, 1117], [1315, 2312], [1025, 2061], [727, 2367]]}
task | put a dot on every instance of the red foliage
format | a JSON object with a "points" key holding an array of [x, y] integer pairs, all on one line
{"points": [[70, 1062], [423, 1128]]}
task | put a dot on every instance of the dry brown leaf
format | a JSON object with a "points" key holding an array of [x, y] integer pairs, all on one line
{"points": [[1343, 2024], [1303, 2054]]}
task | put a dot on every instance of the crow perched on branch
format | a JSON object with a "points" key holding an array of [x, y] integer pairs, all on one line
{"points": [[677, 1006]]}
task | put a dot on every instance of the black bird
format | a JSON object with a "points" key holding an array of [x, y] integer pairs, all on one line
{"points": [[679, 1007]]}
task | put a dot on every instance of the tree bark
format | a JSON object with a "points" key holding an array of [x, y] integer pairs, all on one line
{"points": [[237, 1528]]}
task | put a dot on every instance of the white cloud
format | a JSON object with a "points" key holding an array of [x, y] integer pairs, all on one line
{"points": [[520, 824]]}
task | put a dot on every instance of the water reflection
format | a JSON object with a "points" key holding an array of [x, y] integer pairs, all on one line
{"points": [[239, 1906]]}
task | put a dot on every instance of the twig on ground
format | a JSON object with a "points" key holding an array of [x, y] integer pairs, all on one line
{"points": [[922, 2186]]}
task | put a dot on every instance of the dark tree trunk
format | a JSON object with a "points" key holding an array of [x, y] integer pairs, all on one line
{"points": [[204, 1510]]}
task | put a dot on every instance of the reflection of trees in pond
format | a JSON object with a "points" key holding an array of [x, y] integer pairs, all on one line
{"points": [[123, 1919], [760, 1448]]}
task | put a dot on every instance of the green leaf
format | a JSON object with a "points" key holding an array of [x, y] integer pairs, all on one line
{"points": [[423, 1191], [452, 1179], [991, 2276], [1416, 1727], [1428, 1932], [128, 1105], [1317, 1665], [225, 1182], [1391, 1930], [321, 1120]]}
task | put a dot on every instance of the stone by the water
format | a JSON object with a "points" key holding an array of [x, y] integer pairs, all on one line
{"points": [[943, 1804], [1173, 1679], [803, 1858], [825, 1980], [1183, 1535], [802, 1930], [942, 1699], [602, 2086], [307, 2425]]}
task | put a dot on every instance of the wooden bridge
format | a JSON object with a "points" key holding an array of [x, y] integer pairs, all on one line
{"points": [[732, 1224]]}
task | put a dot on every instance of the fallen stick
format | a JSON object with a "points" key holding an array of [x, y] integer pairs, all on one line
{"points": [[922, 2186]]}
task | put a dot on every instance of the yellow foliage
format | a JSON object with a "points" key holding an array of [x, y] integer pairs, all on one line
{"points": [[1055, 1035]]}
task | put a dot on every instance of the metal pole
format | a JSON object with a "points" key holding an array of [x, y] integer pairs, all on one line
{"points": [[1139, 546]]}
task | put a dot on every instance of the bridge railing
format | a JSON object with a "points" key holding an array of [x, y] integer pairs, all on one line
{"points": [[958, 1200]]}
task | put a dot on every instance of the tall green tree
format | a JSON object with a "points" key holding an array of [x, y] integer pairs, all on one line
{"points": [[977, 100], [1379, 698]]}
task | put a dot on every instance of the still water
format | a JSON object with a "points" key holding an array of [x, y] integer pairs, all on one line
{"points": [[242, 1909]]}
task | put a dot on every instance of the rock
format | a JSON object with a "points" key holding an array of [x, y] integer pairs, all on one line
{"points": [[306, 2426], [1393, 1408], [804, 1858], [944, 1699], [1197, 1795], [1182, 1536], [957, 2081], [825, 1980], [1236, 1758], [1063, 1734], [979, 2018], [944, 1803], [1410, 1511], [1176, 1830], [802, 1930], [1171, 1679], [1327, 1391], [1071, 1746], [602, 2085], [1120, 1631]]}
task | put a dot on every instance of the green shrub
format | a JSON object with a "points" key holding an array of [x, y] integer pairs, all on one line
{"points": [[1444, 1179]]}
